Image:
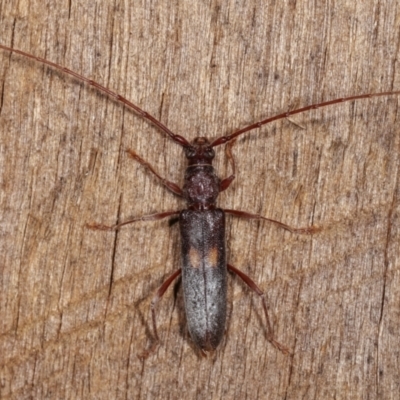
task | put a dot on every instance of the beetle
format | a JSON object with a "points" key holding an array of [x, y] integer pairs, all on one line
{"points": [[202, 223]]}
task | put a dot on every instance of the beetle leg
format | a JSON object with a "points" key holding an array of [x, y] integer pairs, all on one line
{"points": [[227, 181], [173, 187], [252, 285], [160, 291], [243, 214], [151, 217]]}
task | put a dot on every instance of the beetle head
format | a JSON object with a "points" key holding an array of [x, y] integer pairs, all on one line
{"points": [[200, 152]]}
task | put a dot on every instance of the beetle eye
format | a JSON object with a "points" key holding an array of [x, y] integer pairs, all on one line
{"points": [[190, 152], [210, 153]]}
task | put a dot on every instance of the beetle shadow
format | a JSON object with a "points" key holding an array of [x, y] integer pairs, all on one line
{"points": [[172, 221]]}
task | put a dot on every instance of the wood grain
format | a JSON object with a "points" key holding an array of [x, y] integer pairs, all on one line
{"points": [[74, 303]]}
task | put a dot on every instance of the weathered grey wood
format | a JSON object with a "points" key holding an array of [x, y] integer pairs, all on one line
{"points": [[74, 304]]}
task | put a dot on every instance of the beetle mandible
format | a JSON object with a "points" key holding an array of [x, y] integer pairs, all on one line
{"points": [[202, 223]]}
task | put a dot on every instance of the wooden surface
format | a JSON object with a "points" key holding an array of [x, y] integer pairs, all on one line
{"points": [[74, 303]]}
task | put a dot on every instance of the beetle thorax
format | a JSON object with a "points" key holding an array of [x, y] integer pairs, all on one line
{"points": [[202, 186]]}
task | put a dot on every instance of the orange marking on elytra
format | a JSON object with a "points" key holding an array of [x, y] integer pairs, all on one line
{"points": [[212, 257], [194, 257]]}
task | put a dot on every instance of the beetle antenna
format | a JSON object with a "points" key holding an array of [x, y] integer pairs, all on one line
{"points": [[176, 138], [228, 138]]}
